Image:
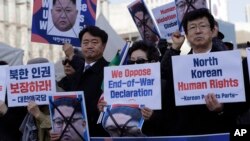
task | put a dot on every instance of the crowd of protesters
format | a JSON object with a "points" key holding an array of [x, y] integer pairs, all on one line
{"points": [[85, 72]]}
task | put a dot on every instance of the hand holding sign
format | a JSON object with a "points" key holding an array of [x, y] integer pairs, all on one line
{"points": [[178, 40]]}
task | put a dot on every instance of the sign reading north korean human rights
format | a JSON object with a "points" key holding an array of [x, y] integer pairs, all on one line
{"points": [[30, 82], [197, 75], [139, 84], [60, 21]]}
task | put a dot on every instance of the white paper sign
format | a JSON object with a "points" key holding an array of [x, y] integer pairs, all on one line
{"points": [[3, 69], [139, 84], [166, 19], [197, 75], [30, 82]]}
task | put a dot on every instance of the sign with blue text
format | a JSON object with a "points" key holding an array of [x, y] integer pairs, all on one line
{"points": [[128, 84], [30, 82], [166, 19], [197, 75], [60, 21]]}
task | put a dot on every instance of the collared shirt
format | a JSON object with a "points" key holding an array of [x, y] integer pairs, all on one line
{"points": [[86, 65]]}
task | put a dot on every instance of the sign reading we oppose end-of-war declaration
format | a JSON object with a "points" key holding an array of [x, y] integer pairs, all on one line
{"points": [[197, 75], [139, 84]]}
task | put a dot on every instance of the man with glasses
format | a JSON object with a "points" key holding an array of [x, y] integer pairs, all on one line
{"points": [[144, 23], [213, 117], [123, 121], [185, 6], [67, 120]]}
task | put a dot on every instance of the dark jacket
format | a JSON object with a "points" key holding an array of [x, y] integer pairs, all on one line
{"points": [[90, 82], [195, 119], [10, 123]]}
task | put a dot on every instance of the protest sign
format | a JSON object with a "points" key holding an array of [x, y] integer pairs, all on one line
{"points": [[184, 6], [59, 22], [199, 74], [30, 82], [125, 116], [138, 84], [3, 69], [166, 19], [68, 111], [144, 21]]}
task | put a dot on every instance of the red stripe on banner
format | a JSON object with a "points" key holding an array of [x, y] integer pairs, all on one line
{"points": [[91, 10], [37, 38], [37, 6]]}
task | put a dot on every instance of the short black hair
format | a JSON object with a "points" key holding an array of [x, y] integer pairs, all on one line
{"points": [[3, 63], [149, 48], [135, 113], [139, 7], [67, 101], [73, 1], [94, 31], [197, 14]]}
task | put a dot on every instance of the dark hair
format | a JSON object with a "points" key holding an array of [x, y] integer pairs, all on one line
{"points": [[3, 63], [94, 31], [73, 1], [197, 14], [139, 7], [67, 101], [127, 110], [149, 48]]}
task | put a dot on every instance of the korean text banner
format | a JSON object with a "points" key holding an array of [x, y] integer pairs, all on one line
{"points": [[68, 115], [197, 75], [60, 21], [133, 84], [30, 82], [3, 69]]}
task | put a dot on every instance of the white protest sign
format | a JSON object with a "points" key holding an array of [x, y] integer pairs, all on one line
{"points": [[30, 82], [166, 19], [248, 60], [197, 75], [139, 84], [3, 70]]}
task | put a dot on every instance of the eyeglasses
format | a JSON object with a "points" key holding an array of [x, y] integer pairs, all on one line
{"points": [[138, 61], [64, 62], [183, 4], [123, 130], [58, 122], [194, 27]]}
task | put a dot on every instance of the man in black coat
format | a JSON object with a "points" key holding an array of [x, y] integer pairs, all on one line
{"points": [[213, 117], [89, 72]]}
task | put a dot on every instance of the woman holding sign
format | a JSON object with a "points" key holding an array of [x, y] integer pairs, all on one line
{"points": [[142, 52]]}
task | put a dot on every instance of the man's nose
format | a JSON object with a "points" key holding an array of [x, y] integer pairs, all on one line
{"points": [[63, 14], [64, 126]]}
